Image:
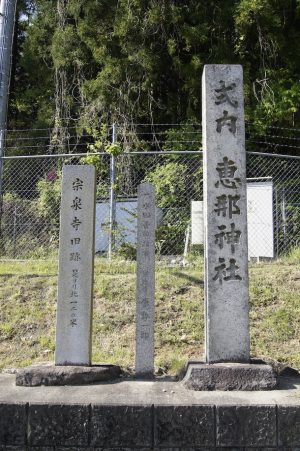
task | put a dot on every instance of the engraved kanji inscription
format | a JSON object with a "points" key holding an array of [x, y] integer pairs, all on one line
{"points": [[227, 205], [223, 94], [229, 273], [231, 237], [145, 302], [75, 241], [75, 257], [145, 335], [76, 205], [77, 184], [226, 171], [229, 121], [145, 316], [76, 223]]}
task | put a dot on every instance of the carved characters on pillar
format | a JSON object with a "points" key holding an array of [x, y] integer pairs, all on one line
{"points": [[226, 171], [229, 121], [145, 274], [231, 237], [75, 255], [227, 203], [223, 96], [226, 273], [227, 235]]}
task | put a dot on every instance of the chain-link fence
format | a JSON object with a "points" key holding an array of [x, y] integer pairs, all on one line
{"points": [[31, 200]]}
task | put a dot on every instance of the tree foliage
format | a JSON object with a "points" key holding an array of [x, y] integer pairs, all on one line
{"points": [[83, 63]]}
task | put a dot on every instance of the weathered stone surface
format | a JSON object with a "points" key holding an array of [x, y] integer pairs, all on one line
{"points": [[39, 448], [13, 419], [106, 449], [287, 371], [289, 426], [121, 426], [30, 448], [247, 426], [76, 264], [259, 449], [145, 289], [127, 394], [247, 449], [34, 376], [231, 449], [184, 426], [58, 425], [225, 215], [13, 448], [183, 449], [229, 376]]}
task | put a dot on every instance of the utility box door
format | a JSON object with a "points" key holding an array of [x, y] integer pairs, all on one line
{"points": [[260, 219]]}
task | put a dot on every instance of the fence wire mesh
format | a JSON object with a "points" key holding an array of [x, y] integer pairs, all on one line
{"points": [[31, 194]]}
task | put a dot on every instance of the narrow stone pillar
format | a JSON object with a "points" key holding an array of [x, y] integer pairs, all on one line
{"points": [[145, 290], [76, 266], [225, 215]]}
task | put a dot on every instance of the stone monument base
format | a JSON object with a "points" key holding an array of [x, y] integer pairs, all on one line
{"points": [[202, 376], [49, 374], [161, 416]]}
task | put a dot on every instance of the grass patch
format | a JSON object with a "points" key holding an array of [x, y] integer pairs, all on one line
{"points": [[28, 307]]}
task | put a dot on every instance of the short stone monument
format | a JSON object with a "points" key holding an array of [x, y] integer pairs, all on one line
{"points": [[225, 223], [76, 266], [145, 296], [75, 288]]}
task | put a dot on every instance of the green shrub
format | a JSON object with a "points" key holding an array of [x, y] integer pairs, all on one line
{"points": [[127, 251], [171, 183], [48, 202]]}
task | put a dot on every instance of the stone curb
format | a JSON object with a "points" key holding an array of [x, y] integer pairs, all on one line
{"points": [[147, 427]]}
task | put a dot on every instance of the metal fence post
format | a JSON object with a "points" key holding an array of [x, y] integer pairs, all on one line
{"points": [[15, 215], [112, 201], [277, 221], [284, 221], [7, 23]]}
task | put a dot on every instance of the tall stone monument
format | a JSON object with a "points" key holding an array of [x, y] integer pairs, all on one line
{"points": [[227, 339], [145, 298], [76, 264], [225, 213]]}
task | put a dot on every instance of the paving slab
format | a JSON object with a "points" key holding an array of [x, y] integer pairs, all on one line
{"points": [[125, 391]]}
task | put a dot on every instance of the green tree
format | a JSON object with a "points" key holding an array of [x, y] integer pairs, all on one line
{"points": [[172, 182], [132, 61]]}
